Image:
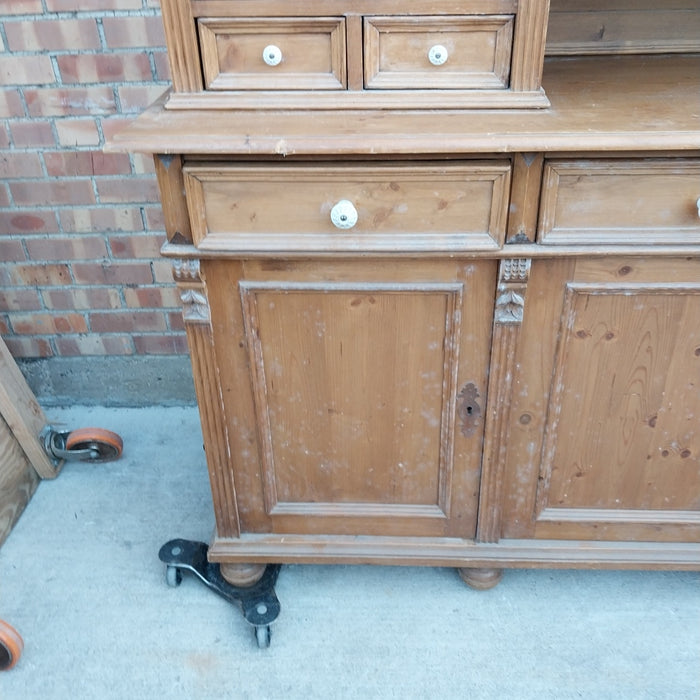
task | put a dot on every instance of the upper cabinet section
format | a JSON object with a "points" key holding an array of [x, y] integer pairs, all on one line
{"points": [[336, 54]]}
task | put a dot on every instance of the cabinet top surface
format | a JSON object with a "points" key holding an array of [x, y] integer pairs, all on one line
{"points": [[618, 103]]}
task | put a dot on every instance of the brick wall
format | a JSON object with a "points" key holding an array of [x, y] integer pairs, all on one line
{"points": [[80, 230]]}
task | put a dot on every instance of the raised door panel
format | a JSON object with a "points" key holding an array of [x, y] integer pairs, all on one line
{"points": [[357, 375], [605, 428]]}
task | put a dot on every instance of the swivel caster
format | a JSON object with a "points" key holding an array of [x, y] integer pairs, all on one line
{"points": [[11, 646], [85, 444]]}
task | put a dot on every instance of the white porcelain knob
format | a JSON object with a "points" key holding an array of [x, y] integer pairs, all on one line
{"points": [[272, 55], [698, 204], [437, 55], [344, 214]]}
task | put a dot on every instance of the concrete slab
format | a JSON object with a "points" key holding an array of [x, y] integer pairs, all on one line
{"points": [[80, 578]]}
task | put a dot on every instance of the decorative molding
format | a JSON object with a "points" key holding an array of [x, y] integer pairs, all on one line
{"points": [[186, 270], [195, 305], [515, 270], [510, 303]]}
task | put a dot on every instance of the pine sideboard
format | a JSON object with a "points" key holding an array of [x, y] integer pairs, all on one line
{"points": [[440, 312]]}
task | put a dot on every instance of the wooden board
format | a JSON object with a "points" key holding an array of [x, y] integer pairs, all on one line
{"points": [[22, 458]]}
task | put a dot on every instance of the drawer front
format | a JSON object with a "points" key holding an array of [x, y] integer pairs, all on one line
{"points": [[438, 52], [383, 207], [273, 53], [611, 201]]}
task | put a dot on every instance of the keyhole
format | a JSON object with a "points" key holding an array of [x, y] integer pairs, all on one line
{"points": [[469, 410]]}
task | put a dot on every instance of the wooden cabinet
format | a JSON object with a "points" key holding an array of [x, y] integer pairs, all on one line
{"points": [[452, 336]]}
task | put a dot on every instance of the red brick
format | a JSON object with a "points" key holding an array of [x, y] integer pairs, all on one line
{"points": [[162, 65], [21, 7], [28, 347], [127, 322], [77, 132], [34, 134], [11, 251], [59, 102], [53, 191], [92, 5], [110, 163], [94, 345], [135, 98], [16, 164], [144, 246], [176, 322], [109, 273], [133, 32], [4, 326], [47, 324], [19, 299], [143, 164], [68, 163], [105, 68], [11, 103], [81, 298], [26, 70], [49, 275], [162, 271], [174, 344], [77, 220], [4, 137], [76, 163], [52, 35], [127, 190], [28, 221], [152, 297], [4, 195], [155, 220], [80, 248]]}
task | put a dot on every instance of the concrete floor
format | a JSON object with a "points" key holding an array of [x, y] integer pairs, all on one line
{"points": [[81, 580]]}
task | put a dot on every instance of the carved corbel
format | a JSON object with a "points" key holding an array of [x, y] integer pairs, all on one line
{"points": [[193, 293]]}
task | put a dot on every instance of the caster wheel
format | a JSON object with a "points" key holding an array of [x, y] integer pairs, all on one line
{"points": [[11, 646], [263, 635], [173, 576], [105, 445]]}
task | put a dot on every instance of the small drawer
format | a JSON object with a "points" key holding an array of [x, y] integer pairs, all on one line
{"points": [[620, 201], [440, 52], [383, 207], [273, 53]]}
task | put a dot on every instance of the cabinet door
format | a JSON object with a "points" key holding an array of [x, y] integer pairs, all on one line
{"points": [[605, 441], [353, 392]]}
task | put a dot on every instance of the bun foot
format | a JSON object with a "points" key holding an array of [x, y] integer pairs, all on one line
{"points": [[480, 579], [242, 575]]}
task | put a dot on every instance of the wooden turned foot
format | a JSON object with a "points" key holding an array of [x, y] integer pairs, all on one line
{"points": [[242, 575], [481, 579]]}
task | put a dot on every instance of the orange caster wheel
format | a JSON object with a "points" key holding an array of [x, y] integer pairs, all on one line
{"points": [[11, 646], [102, 445], [84, 444]]}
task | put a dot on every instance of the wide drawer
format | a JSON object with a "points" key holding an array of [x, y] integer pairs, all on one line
{"points": [[306, 53], [441, 52], [327, 208], [620, 201]]}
